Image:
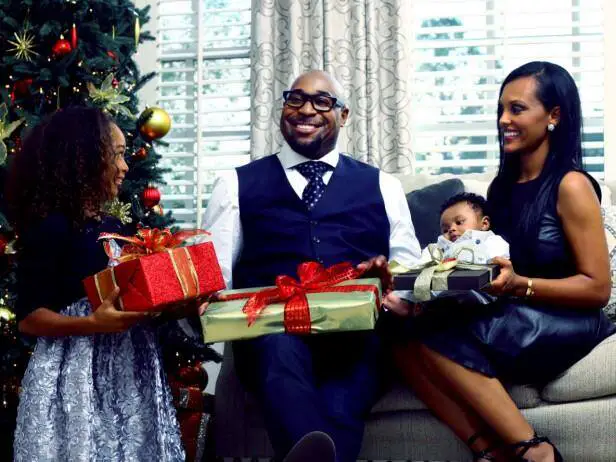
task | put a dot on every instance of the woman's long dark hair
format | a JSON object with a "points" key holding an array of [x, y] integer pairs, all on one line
{"points": [[63, 167], [555, 88]]}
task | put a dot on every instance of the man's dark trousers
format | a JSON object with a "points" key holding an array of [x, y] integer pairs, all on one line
{"points": [[325, 382]]}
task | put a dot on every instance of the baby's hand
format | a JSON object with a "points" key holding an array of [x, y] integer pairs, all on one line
{"points": [[397, 305]]}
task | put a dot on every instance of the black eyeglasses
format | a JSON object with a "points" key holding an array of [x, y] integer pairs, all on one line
{"points": [[322, 103]]}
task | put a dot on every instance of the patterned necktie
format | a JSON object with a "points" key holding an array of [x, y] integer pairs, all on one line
{"points": [[313, 171]]}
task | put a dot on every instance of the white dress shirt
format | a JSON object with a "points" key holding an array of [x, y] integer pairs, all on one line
{"points": [[222, 216]]}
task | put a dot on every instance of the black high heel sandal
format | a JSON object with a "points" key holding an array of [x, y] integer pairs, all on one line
{"points": [[534, 441], [484, 453]]}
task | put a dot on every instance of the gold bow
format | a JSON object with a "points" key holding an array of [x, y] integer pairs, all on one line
{"points": [[433, 275]]}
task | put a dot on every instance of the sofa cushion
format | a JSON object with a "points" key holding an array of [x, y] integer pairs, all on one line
{"points": [[400, 398], [593, 376], [609, 225], [425, 206]]}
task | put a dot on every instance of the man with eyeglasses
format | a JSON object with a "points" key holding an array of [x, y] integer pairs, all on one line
{"points": [[309, 202]]}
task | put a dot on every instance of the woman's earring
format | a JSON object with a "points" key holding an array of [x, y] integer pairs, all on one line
{"points": [[551, 127]]}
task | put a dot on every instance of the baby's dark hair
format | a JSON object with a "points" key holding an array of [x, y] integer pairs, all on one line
{"points": [[477, 202]]}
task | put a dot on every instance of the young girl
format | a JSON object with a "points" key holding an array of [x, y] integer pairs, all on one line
{"points": [[94, 388], [551, 292]]}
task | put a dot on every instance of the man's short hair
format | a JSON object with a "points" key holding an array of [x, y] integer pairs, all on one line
{"points": [[477, 202]]}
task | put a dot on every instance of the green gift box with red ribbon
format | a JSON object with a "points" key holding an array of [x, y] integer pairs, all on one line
{"points": [[321, 300]]}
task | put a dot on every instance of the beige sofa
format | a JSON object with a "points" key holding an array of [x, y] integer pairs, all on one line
{"points": [[577, 410]]}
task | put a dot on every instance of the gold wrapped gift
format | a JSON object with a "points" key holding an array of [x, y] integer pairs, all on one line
{"points": [[351, 305]]}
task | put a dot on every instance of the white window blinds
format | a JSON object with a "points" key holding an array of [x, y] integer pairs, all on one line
{"points": [[204, 67], [463, 49]]}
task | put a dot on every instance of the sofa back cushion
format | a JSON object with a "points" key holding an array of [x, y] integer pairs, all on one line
{"points": [[425, 205], [609, 225]]}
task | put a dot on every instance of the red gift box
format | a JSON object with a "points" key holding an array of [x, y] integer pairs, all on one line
{"points": [[153, 273]]}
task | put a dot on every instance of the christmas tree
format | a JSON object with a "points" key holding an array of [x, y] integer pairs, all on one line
{"points": [[55, 53]]}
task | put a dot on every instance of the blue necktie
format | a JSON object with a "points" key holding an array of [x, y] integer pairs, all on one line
{"points": [[313, 171]]}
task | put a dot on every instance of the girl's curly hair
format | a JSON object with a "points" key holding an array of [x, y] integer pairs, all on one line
{"points": [[63, 167]]}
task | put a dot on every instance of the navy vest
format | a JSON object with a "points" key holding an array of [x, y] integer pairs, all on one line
{"points": [[349, 223]]}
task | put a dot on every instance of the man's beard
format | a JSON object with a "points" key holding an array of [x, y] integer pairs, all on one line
{"points": [[310, 149]]}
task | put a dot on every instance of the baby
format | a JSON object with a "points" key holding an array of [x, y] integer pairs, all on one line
{"points": [[465, 232], [465, 235]]}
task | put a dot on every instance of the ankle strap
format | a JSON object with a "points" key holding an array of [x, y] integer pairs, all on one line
{"points": [[527, 444], [485, 454]]}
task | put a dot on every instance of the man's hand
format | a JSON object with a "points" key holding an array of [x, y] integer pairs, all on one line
{"points": [[187, 308], [377, 267]]}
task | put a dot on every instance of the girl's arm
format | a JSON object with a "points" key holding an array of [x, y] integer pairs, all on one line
{"points": [[580, 213], [44, 322]]}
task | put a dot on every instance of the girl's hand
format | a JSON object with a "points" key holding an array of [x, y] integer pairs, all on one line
{"points": [[107, 318], [507, 282]]}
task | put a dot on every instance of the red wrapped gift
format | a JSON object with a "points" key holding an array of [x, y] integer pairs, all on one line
{"points": [[153, 272]]}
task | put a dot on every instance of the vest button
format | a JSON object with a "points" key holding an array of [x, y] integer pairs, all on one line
{"points": [[314, 222], [316, 239]]}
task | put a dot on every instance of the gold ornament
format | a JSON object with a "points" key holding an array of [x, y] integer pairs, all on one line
{"points": [[154, 123], [110, 98], [137, 29], [6, 314], [158, 210], [118, 209], [23, 45], [6, 129]]}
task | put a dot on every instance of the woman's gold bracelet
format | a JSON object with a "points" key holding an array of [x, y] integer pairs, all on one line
{"points": [[529, 289]]}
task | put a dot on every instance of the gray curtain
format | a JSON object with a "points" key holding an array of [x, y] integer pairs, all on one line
{"points": [[364, 44]]}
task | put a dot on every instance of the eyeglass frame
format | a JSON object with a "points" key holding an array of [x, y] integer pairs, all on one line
{"points": [[337, 102]]}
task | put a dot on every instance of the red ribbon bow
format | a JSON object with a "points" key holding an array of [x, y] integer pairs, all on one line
{"points": [[313, 277], [148, 241]]}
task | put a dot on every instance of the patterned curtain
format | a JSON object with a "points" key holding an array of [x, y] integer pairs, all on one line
{"points": [[364, 44]]}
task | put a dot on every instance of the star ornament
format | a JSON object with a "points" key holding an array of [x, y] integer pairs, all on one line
{"points": [[23, 46]]}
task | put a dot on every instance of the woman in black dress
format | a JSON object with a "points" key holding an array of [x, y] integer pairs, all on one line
{"points": [[548, 314]]}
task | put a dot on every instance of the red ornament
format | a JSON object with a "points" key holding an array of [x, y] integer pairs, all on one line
{"points": [[21, 89], [74, 36], [112, 55], [115, 83], [150, 197], [61, 48], [141, 153]]}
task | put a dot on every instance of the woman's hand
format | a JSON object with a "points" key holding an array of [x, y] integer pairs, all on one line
{"points": [[379, 268], [107, 318], [507, 282], [400, 306]]}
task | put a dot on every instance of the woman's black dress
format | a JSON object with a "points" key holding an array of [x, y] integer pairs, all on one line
{"points": [[518, 339]]}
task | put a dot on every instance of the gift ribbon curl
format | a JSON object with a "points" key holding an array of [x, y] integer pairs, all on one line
{"points": [[147, 241]]}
